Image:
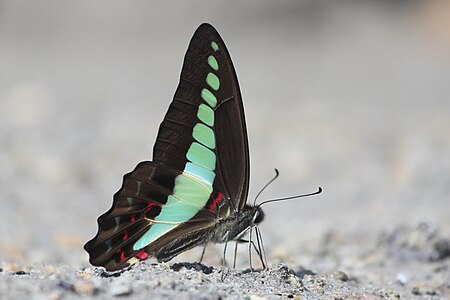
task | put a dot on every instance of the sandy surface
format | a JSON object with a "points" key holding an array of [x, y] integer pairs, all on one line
{"points": [[352, 96]]}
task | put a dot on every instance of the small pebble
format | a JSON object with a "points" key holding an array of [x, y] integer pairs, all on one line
{"points": [[84, 275], [424, 290], [339, 275], [402, 278], [11, 267], [21, 272], [50, 269], [120, 288], [84, 287], [386, 294], [392, 295], [55, 295], [65, 286]]}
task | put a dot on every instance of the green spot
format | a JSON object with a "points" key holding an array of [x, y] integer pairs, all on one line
{"points": [[203, 174], [130, 201], [189, 196], [138, 187], [209, 97], [179, 210], [213, 81], [117, 220], [202, 156], [214, 46], [205, 114], [212, 62], [108, 243], [204, 135]]}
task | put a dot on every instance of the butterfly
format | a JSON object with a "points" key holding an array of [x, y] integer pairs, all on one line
{"points": [[195, 190]]}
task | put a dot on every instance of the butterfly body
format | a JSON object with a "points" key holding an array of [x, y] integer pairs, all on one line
{"points": [[225, 230], [235, 225], [195, 189]]}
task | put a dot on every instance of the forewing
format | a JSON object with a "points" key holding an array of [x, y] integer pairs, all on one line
{"points": [[204, 131]]}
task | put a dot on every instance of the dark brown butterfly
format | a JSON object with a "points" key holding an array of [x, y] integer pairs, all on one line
{"points": [[195, 189]]}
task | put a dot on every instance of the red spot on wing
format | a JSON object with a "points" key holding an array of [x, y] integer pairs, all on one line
{"points": [[213, 206], [150, 206], [122, 254], [133, 218], [142, 255], [125, 235]]}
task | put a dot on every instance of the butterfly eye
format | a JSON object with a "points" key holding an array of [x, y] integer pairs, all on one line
{"points": [[258, 217]]}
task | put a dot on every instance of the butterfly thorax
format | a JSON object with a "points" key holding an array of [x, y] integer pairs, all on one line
{"points": [[236, 224]]}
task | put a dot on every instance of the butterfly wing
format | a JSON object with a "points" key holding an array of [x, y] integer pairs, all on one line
{"points": [[207, 110], [200, 168], [144, 210]]}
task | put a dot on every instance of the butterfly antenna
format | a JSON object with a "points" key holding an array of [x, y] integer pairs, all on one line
{"points": [[291, 197], [277, 173]]}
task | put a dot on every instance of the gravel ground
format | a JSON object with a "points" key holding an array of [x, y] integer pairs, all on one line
{"points": [[352, 96], [407, 263]]}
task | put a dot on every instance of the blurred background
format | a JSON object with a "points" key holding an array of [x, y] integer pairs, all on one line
{"points": [[353, 96]]}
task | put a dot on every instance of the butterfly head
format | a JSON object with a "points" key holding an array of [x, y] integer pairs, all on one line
{"points": [[258, 216]]}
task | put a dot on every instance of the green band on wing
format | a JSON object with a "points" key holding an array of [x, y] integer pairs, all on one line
{"points": [[202, 156], [204, 135], [212, 62], [205, 114], [193, 187], [201, 173], [213, 81], [209, 97]]}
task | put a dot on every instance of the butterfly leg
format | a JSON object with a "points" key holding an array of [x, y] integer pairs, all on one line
{"points": [[262, 252], [250, 248], [203, 253], [235, 254], [257, 249], [224, 262]]}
